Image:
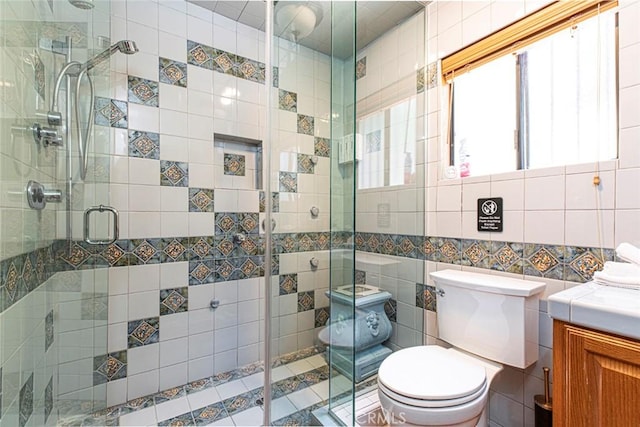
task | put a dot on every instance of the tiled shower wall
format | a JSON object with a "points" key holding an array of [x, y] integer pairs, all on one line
{"points": [[552, 209], [183, 198]]}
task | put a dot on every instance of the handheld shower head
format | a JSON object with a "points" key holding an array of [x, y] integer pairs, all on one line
{"points": [[83, 4], [127, 47]]}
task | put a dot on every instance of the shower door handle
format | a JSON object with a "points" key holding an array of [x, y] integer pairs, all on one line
{"points": [[87, 224]]}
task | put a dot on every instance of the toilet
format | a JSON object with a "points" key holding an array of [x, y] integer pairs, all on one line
{"points": [[488, 321]]}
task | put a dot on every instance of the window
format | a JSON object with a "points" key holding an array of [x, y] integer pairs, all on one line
{"points": [[388, 146], [552, 102]]}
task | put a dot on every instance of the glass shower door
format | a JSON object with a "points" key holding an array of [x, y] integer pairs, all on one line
{"points": [[53, 299]]}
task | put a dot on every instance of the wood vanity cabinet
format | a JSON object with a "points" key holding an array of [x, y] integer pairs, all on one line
{"points": [[596, 378]]}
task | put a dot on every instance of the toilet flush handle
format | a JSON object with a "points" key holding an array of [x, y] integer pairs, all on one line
{"points": [[440, 292]]}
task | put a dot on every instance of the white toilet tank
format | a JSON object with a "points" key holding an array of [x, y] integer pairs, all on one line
{"points": [[494, 317]]}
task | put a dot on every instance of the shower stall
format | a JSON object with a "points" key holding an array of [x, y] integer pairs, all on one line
{"points": [[237, 201]]}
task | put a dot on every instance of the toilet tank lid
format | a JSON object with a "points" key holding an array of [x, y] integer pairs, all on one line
{"points": [[487, 282]]}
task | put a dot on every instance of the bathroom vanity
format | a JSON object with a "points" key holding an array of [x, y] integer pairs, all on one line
{"points": [[596, 356]]}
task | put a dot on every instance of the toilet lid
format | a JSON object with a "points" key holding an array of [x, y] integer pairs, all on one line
{"points": [[431, 373]]}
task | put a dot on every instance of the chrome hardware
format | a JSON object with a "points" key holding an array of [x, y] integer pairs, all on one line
{"points": [[38, 196], [314, 160], [273, 224], [239, 238], [214, 303], [54, 118], [87, 224], [314, 262], [314, 211], [46, 136], [439, 292]]}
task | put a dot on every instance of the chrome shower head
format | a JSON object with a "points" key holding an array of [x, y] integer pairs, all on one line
{"points": [[124, 46], [127, 47], [83, 4]]}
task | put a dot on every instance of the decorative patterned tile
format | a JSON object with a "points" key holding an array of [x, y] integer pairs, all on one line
{"points": [[288, 101], [170, 394], [174, 300], [276, 77], [183, 420], [75, 256], [239, 403], [234, 164], [544, 261], [476, 253], [200, 200], [174, 250], [201, 272], [322, 147], [223, 62], [288, 182], [306, 301], [146, 251], [506, 256], [174, 174], [201, 247], [143, 91], [248, 223], [48, 399], [361, 68], [406, 246], [581, 263], [199, 385], [360, 277], [210, 414], [224, 247], [288, 284], [390, 308], [449, 251], [39, 79], [144, 144], [226, 223], [173, 72], [111, 112], [305, 242], [431, 78], [275, 201], [26, 402], [199, 55], [109, 367], [305, 124], [420, 80], [143, 332], [321, 316], [249, 69], [48, 331], [305, 163], [373, 141]]}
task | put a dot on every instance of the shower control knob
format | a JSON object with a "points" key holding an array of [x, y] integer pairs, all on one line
{"points": [[46, 136], [314, 211], [314, 262], [38, 196]]}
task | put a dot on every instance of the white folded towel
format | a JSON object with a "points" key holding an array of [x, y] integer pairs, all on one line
{"points": [[618, 274], [629, 253]]}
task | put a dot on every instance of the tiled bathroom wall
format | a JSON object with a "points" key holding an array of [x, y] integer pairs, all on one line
{"points": [[554, 212], [186, 116]]}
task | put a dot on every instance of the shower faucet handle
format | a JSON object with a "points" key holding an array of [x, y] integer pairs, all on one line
{"points": [[53, 118], [46, 136]]}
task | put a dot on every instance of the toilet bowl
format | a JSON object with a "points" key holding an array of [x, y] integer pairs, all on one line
{"points": [[488, 321], [433, 386]]}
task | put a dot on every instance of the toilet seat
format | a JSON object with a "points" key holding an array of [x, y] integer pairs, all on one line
{"points": [[448, 380]]}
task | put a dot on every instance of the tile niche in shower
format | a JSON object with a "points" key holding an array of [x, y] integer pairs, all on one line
{"points": [[238, 162]]}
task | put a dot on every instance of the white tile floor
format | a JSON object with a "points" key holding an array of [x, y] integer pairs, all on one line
{"points": [[284, 406]]}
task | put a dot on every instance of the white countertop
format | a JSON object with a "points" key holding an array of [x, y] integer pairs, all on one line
{"points": [[604, 308]]}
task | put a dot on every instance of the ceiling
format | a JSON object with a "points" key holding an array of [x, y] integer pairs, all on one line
{"points": [[374, 18]]}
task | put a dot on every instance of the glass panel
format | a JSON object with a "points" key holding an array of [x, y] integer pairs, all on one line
{"points": [[342, 254], [53, 303]]}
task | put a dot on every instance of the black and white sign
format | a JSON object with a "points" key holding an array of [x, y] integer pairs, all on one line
{"points": [[490, 214]]}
